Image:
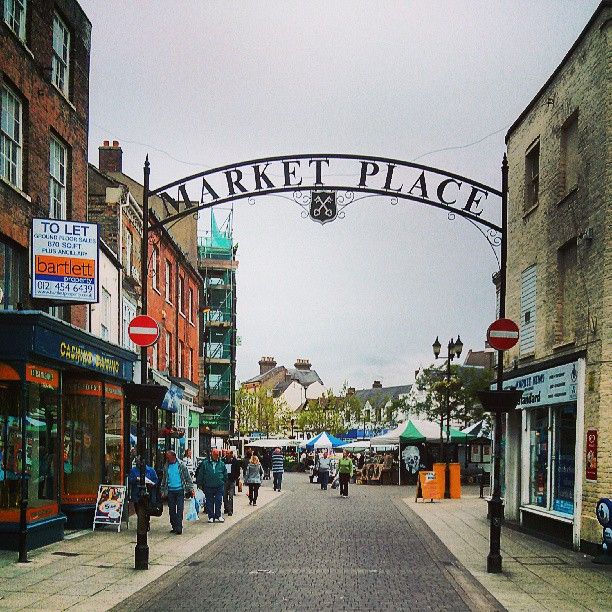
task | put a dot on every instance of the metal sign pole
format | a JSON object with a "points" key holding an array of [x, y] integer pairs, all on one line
{"points": [[141, 552], [494, 558]]}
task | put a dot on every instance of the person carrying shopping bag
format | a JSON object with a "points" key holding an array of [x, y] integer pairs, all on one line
{"points": [[176, 484], [252, 477], [211, 476], [345, 473]]}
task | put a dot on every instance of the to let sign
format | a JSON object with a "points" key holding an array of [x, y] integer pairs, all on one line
{"points": [[503, 334], [143, 330], [64, 260], [591, 455]]}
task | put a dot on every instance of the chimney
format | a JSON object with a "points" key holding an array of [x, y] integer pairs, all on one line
{"points": [[302, 364], [376, 385], [110, 157], [266, 364]]}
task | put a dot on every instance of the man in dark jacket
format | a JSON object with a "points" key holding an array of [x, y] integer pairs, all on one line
{"points": [[232, 466], [210, 477]]}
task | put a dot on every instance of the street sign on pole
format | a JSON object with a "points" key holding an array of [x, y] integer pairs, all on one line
{"points": [[503, 334], [143, 330]]}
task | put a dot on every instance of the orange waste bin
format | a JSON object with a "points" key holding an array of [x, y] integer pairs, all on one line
{"points": [[440, 470], [455, 480]]}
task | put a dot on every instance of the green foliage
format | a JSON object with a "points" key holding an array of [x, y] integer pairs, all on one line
{"points": [[327, 413], [463, 402], [258, 411]]}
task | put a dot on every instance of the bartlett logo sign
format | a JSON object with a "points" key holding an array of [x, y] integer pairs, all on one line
{"points": [[64, 260]]}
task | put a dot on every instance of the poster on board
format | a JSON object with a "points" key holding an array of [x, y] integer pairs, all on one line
{"points": [[109, 505]]}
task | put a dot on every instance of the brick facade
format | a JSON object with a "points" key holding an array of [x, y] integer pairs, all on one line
{"points": [[25, 69], [577, 215]]}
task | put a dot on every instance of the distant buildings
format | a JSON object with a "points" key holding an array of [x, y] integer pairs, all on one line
{"points": [[558, 458]]}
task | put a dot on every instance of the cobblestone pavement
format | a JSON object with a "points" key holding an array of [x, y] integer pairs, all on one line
{"points": [[313, 550]]}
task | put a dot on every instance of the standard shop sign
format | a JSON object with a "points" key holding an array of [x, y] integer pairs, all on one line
{"points": [[64, 260]]}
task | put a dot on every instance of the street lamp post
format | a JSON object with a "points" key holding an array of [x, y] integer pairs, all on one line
{"points": [[454, 350]]}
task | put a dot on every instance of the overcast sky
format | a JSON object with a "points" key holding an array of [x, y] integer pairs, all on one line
{"points": [[198, 84]]}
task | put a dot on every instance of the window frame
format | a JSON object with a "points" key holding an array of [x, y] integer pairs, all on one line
{"points": [[180, 294], [190, 305], [6, 138], [60, 61], [155, 269], [571, 123], [21, 31], [168, 281], [56, 180], [532, 179]]}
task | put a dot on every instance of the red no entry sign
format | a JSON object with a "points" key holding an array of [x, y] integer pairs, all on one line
{"points": [[503, 334], [143, 330]]}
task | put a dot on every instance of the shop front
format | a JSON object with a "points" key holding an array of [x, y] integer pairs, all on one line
{"points": [[548, 433], [61, 425]]}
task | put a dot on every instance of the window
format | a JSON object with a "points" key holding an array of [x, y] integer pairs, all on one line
{"points": [[528, 311], [61, 55], [13, 271], [532, 176], [57, 182], [168, 280], [553, 457], [168, 354], [569, 154], [181, 305], [566, 292], [181, 349], [11, 134], [127, 255], [155, 268], [15, 17], [128, 313], [106, 318], [190, 305]]}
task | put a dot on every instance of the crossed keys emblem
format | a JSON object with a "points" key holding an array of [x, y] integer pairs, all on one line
{"points": [[323, 206]]}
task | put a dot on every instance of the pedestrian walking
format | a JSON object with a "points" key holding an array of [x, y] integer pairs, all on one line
{"points": [[252, 478], [278, 467], [232, 467], [266, 463], [324, 467], [175, 486], [345, 472], [210, 477]]}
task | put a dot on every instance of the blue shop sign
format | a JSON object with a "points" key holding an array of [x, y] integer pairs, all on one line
{"points": [[551, 386]]}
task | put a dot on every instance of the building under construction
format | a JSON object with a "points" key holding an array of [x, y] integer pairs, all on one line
{"points": [[217, 264]]}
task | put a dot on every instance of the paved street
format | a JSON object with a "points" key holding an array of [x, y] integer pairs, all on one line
{"points": [[312, 550]]}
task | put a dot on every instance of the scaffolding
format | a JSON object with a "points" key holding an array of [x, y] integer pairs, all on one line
{"points": [[217, 264]]}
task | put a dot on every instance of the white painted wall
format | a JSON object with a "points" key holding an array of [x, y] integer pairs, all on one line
{"points": [[315, 390], [104, 316], [294, 395]]}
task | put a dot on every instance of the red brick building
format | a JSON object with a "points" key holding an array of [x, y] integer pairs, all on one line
{"points": [[44, 82]]}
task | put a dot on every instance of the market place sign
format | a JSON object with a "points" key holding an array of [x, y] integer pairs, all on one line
{"points": [[324, 184]]}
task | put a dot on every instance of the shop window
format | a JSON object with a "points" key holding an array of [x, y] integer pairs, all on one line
{"points": [[40, 444], [82, 438], [113, 436], [539, 457], [565, 444], [553, 457], [15, 17], [532, 176]]}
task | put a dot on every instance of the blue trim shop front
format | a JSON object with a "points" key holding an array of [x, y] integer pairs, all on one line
{"points": [[63, 425]]}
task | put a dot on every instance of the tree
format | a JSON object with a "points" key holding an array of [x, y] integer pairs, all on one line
{"points": [[258, 410], [326, 413]]}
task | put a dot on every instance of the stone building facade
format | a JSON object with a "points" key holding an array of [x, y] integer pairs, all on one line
{"points": [[558, 459]]}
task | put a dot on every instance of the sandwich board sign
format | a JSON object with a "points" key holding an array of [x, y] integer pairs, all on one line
{"points": [[109, 505]]}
